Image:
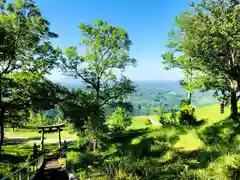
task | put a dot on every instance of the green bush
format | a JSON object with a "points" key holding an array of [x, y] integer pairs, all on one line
{"points": [[119, 120], [186, 116], [146, 121]]}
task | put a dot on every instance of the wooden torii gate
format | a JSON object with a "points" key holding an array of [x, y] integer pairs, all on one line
{"points": [[51, 129]]}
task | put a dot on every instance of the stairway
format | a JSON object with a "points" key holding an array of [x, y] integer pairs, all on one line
{"points": [[51, 170]]}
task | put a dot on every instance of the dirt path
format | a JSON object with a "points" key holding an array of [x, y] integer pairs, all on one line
{"points": [[154, 122], [46, 140]]}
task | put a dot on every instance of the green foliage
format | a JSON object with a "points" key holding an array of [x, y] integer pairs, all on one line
{"points": [[107, 53], [119, 120], [160, 113], [101, 69], [26, 54], [186, 116], [185, 63], [206, 37], [39, 119], [119, 170]]}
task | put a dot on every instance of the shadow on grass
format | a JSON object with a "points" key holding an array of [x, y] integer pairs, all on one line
{"points": [[12, 159], [142, 153], [14, 141], [222, 133]]}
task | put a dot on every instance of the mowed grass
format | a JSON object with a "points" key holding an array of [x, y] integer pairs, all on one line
{"points": [[212, 113], [34, 133], [139, 122]]}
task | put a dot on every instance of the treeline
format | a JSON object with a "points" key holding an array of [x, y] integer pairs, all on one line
{"points": [[27, 56]]}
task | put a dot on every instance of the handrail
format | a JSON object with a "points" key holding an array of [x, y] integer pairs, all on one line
{"points": [[21, 176], [26, 166]]}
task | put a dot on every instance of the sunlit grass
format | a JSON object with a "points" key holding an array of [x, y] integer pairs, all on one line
{"points": [[34, 133], [189, 141], [212, 113], [139, 122]]}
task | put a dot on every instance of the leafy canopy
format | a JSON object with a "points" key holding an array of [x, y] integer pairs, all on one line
{"points": [[102, 66], [119, 120], [208, 34]]}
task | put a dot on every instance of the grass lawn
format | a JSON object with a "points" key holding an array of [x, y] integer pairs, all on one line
{"points": [[145, 151], [33, 133], [212, 113]]}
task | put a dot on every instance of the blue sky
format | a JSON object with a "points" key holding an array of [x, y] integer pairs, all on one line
{"points": [[146, 21]]}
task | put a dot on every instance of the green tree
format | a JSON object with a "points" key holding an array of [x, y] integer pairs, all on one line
{"points": [[101, 68], [209, 35], [103, 64], [119, 120], [24, 47], [29, 92], [183, 62]]}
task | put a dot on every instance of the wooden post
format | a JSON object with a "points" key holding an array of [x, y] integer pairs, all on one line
{"points": [[20, 175], [42, 139], [59, 137], [28, 172]]}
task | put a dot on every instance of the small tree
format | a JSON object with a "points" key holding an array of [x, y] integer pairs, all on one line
{"points": [[186, 115], [119, 120]]}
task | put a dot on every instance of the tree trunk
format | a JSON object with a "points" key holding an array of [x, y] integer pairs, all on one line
{"points": [[1, 128], [98, 90], [234, 107], [1, 116], [189, 97], [222, 106]]}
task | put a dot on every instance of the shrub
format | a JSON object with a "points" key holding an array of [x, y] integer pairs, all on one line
{"points": [[186, 115], [119, 120], [146, 121]]}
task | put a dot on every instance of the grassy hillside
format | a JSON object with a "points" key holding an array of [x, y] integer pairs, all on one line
{"points": [[152, 152], [145, 151], [212, 113]]}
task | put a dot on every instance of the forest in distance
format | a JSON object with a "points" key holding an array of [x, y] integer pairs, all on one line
{"points": [[151, 95]]}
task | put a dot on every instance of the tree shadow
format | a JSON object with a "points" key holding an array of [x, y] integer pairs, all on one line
{"points": [[197, 159], [221, 133], [14, 141], [12, 159], [141, 153]]}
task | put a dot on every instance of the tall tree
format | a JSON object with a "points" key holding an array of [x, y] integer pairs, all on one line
{"points": [[24, 46], [101, 67], [209, 35], [172, 59]]}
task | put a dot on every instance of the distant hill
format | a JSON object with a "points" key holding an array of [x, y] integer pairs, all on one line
{"points": [[153, 94]]}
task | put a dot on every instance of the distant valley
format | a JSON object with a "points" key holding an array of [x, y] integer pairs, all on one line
{"points": [[150, 95]]}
